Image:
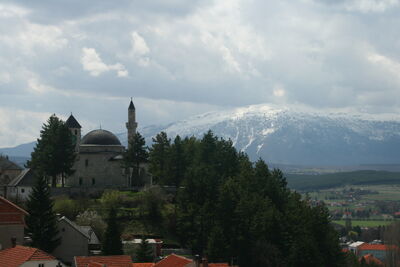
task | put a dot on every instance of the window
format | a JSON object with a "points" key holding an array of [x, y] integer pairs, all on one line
{"points": [[93, 181], [41, 265], [22, 190], [86, 162], [76, 132], [80, 180]]}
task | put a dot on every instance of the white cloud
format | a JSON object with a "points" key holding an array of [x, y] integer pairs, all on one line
{"points": [[92, 63], [139, 50], [20, 126], [5, 77], [366, 6]]}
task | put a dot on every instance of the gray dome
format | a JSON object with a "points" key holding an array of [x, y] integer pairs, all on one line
{"points": [[100, 137]]}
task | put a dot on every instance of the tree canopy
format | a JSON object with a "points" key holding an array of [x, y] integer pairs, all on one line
{"points": [[54, 153], [233, 210]]}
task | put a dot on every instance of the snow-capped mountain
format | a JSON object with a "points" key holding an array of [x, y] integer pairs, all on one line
{"points": [[290, 135], [300, 136]]}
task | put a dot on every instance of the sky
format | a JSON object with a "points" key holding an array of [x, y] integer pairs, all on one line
{"points": [[179, 58]]}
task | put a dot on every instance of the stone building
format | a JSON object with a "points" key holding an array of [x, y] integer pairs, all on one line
{"points": [[99, 156]]}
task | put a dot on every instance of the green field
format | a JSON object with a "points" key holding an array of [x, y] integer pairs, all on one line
{"points": [[365, 223], [340, 179]]}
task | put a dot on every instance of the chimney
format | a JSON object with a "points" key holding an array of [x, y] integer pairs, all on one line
{"points": [[197, 260], [13, 241], [205, 262]]}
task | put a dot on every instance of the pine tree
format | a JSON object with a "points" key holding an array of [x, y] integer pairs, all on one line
{"points": [[41, 222], [135, 155], [144, 252], [158, 157], [54, 154], [112, 244]]}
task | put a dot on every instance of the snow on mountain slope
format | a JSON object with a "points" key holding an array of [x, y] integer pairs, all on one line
{"points": [[301, 136], [293, 135]]}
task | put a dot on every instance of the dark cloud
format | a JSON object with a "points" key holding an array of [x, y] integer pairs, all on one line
{"points": [[178, 58]]}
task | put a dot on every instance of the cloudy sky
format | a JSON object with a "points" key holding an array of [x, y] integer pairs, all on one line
{"points": [[178, 58]]}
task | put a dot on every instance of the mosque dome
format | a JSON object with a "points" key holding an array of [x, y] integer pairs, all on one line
{"points": [[100, 137]]}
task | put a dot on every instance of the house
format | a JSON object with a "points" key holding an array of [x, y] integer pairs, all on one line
{"points": [[130, 246], [27, 257], [103, 261], [75, 240], [377, 250], [12, 224], [174, 260], [353, 247], [20, 187], [8, 171], [370, 259]]}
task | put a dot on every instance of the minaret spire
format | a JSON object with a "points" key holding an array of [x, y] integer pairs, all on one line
{"points": [[131, 125]]}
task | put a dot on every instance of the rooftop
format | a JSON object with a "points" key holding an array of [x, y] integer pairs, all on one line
{"points": [[18, 255], [109, 261]]}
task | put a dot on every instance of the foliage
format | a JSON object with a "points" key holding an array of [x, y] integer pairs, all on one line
{"points": [[144, 252], [93, 219], [135, 155], [112, 244], [152, 201], [159, 156], [41, 222], [233, 210], [110, 199], [54, 154], [66, 207]]}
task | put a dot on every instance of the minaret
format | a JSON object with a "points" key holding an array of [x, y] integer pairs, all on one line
{"points": [[75, 129], [131, 125]]}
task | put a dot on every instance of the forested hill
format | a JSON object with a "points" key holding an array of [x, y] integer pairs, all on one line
{"points": [[321, 181]]}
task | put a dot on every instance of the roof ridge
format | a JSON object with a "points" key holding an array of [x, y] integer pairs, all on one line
{"points": [[13, 205], [19, 177], [74, 225]]}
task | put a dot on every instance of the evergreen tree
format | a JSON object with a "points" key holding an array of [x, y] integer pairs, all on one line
{"points": [[135, 155], [54, 154], [144, 252], [158, 157], [41, 222], [112, 244]]}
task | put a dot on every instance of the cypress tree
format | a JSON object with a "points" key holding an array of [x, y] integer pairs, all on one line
{"points": [[144, 252], [135, 155], [158, 156], [41, 222], [112, 244]]}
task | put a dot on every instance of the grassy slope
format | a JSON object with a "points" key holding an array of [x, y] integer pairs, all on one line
{"points": [[322, 181]]}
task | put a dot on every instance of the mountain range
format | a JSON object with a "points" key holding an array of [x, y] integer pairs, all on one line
{"points": [[288, 136]]}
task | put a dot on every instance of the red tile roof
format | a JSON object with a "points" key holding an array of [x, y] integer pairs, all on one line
{"points": [[11, 213], [19, 254], [110, 261], [173, 260], [367, 246], [369, 258], [218, 265], [144, 264]]}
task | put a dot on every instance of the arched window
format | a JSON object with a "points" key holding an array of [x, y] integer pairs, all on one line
{"points": [[80, 180], [76, 131], [93, 181]]}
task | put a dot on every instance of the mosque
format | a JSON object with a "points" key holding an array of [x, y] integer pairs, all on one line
{"points": [[99, 156]]}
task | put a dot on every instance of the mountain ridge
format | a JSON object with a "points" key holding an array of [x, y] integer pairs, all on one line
{"points": [[288, 136]]}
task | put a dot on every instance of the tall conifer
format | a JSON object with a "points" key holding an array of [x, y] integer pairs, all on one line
{"points": [[41, 222], [112, 244]]}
